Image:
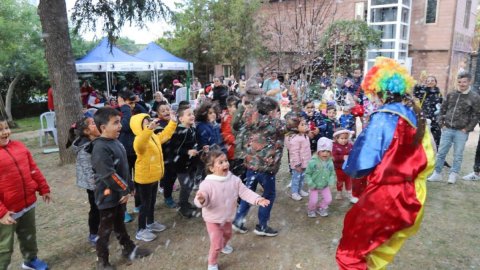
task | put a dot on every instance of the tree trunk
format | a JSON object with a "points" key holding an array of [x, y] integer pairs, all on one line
{"points": [[61, 70], [8, 97]]}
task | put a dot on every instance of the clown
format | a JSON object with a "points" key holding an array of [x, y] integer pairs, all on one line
{"points": [[395, 154]]}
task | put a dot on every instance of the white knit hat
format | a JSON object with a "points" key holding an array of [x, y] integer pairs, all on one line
{"points": [[324, 144]]}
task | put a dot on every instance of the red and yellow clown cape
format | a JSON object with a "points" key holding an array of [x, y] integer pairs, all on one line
{"points": [[391, 208]]}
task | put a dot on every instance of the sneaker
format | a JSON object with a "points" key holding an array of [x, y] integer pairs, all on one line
{"points": [[92, 238], [303, 193], [35, 264], [137, 253], [351, 198], [227, 249], [339, 196], [156, 227], [296, 197], [239, 228], [452, 178], [323, 212], [170, 203], [145, 235], [186, 212], [212, 267], [105, 266], [128, 218], [311, 214], [265, 231], [136, 210], [435, 177], [471, 177]]}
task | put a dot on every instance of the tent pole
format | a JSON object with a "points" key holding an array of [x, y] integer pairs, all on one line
{"points": [[108, 84]]}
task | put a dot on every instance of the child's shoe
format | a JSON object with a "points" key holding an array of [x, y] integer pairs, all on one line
{"points": [[156, 227], [212, 267], [227, 249], [303, 193], [296, 197], [128, 218], [351, 197], [35, 264], [136, 253], [92, 239], [265, 231], [311, 214], [136, 210], [170, 203], [186, 212], [323, 212], [339, 196], [105, 266], [145, 235]]}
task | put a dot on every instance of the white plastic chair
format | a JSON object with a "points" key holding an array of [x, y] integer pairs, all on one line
{"points": [[47, 125]]}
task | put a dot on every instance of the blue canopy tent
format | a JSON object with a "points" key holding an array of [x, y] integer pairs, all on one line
{"points": [[104, 58], [163, 60]]}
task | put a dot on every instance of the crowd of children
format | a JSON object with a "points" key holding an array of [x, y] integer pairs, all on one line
{"points": [[224, 154]]}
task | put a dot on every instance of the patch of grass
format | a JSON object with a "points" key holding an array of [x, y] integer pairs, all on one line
{"points": [[27, 124]]}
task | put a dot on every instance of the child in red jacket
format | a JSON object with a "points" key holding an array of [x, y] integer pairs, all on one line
{"points": [[226, 130], [20, 180], [341, 149]]}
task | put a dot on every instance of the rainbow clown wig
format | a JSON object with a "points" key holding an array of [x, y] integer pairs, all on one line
{"points": [[387, 75]]}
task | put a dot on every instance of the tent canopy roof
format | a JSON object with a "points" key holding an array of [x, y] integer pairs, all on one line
{"points": [[163, 59]]}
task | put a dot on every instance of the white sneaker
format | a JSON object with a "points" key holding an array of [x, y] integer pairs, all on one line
{"points": [[471, 177], [452, 178], [227, 249], [156, 227], [304, 193], [296, 197], [323, 212], [145, 235], [435, 177], [311, 214], [213, 267]]}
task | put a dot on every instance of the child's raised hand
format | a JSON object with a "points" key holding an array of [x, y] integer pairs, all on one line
{"points": [[263, 202], [200, 197], [173, 116], [7, 219], [47, 198]]}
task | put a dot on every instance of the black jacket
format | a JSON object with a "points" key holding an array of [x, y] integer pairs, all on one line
{"points": [[183, 140], [110, 167], [429, 98], [220, 94]]}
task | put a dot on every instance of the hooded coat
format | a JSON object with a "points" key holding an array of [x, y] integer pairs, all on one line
{"points": [[149, 166]]}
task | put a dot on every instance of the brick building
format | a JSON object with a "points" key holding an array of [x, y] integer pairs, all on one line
{"points": [[427, 35]]}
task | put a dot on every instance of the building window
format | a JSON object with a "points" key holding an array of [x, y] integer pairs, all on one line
{"points": [[468, 10], [360, 11], [431, 11], [227, 71]]}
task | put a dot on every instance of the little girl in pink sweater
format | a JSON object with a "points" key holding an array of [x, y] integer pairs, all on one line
{"points": [[217, 196]]}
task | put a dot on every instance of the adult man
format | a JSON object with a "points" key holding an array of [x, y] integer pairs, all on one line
{"points": [[458, 116], [271, 87]]}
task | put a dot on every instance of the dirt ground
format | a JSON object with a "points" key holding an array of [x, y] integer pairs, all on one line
{"points": [[449, 237]]}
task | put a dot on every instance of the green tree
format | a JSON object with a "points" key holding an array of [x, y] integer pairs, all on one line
{"points": [[345, 43], [21, 50], [58, 47]]}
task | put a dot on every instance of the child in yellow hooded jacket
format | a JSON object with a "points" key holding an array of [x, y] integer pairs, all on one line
{"points": [[149, 169]]}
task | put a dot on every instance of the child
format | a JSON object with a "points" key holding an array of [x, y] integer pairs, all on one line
{"points": [[340, 151], [227, 134], [347, 120], [20, 180], [314, 121], [320, 174], [298, 146], [329, 124], [217, 196], [109, 162], [168, 181], [149, 169], [185, 160], [80, 135], [264, 147]]}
